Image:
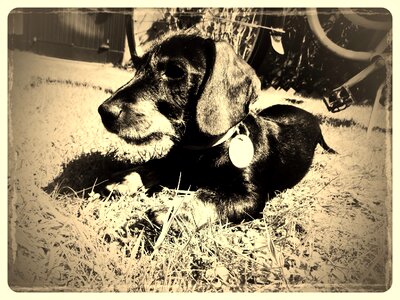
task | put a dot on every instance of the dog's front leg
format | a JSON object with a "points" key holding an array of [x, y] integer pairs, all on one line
{"points": [[130, 181], [125, 183], [189, 210], [234, 205], [208, 206]]}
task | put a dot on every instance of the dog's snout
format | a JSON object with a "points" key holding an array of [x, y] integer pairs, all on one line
{"points": [[109, 112], [109, 115]]}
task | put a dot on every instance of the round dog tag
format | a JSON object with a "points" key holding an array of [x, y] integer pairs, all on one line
{"points": [[241, 151]]}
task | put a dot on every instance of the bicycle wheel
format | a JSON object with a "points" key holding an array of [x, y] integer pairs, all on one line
{"points": [[241, 27], [342, 48]]}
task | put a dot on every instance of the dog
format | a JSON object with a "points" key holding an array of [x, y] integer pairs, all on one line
{"points": [[196, 93]]}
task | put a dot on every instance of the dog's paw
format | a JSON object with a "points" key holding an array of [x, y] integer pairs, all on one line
{"points": [[158, 217], [128, 185], [191, 212], [173, 220]]}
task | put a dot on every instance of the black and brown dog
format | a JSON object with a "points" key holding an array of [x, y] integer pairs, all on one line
{"points": [[196, 93]]}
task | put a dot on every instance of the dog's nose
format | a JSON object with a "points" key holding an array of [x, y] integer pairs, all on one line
{"points": [[109, 113]]}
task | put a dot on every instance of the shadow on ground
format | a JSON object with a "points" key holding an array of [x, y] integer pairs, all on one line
{"points": [[87, 172]]}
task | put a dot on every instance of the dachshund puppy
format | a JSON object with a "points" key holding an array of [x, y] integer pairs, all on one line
{"points": [[196, 94]]}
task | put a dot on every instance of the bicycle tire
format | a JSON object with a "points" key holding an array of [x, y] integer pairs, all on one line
{"points": [[316, 27], [254, 59], [261, 45], [362, 21]]}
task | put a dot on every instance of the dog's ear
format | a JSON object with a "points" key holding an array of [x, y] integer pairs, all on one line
{"points": [[230, 88]]}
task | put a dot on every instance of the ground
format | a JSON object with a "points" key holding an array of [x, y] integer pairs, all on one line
{"points": [[331, 232]]}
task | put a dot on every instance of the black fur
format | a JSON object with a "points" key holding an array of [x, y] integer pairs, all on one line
{"points": [[191, 91]]}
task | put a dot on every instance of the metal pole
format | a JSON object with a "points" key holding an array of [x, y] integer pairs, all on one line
{"points": [[374, 111], [379, 63]]}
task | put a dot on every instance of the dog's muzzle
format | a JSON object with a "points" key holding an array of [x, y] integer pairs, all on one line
{"points": [[109, 116]]}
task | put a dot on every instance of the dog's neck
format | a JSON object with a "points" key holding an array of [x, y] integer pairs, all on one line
{"points": [[216, 141], [221, 138]]}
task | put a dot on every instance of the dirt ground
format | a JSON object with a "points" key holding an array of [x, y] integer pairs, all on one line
{"points": [[331, 232]]}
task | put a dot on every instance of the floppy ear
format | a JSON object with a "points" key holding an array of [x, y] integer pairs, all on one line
{"points": [[231, 86]]}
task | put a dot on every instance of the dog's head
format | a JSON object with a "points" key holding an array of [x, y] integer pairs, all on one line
{"points": [[187, 89]]}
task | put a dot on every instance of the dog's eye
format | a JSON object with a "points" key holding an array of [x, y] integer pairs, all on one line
{"points": [[173, 71]]}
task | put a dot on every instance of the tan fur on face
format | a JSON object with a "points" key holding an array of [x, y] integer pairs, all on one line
{"points": [[151, 122]]}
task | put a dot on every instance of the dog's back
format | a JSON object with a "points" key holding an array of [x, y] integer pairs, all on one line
{"points": [[292, 136], [299, 123]]}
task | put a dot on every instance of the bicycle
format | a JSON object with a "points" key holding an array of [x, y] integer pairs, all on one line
{"points": [[252, 31], [341, 97]]}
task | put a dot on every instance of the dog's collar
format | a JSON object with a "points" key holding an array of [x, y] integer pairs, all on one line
{"points": [[221, 139]]}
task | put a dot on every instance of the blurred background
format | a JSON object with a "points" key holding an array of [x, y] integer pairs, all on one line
{"points": [[284, 46]]}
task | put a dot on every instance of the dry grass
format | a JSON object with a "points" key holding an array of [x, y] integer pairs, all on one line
{"points": [[332, 232]]}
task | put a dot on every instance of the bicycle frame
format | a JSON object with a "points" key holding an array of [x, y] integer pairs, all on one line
{"points": [[341, 97]]}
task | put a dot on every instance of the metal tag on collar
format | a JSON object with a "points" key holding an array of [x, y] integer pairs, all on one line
{"points": [[241, 149]]}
